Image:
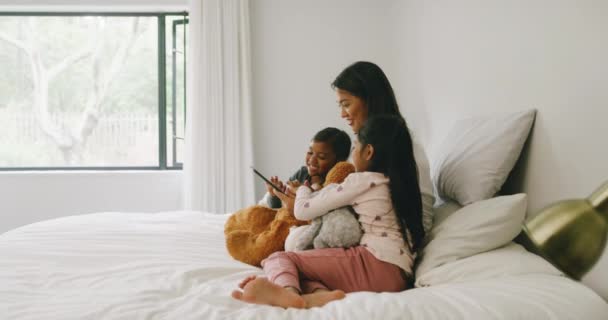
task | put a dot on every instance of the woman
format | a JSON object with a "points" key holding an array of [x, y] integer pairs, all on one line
{"points": [[363, 90]]}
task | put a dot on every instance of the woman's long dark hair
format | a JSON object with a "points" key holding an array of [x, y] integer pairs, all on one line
{"points": [[367, 81], [394, 157]]}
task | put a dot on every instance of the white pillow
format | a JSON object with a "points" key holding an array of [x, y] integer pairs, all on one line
{"points": [[444, 210], [476, 228], [478, 154], [510, 260]]}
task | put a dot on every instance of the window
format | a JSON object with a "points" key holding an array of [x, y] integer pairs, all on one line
{"points": [[92, 91]]}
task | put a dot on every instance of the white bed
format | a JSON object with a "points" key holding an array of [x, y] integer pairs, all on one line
{"points": [[174, 265]]}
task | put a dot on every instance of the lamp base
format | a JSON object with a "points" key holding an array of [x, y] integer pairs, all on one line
{"points": [[597, 277]]}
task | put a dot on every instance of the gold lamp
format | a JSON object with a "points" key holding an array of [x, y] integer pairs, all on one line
{"points": [[571, 234]]}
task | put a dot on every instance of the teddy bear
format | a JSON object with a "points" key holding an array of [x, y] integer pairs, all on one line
{"points": [[254, 233]]}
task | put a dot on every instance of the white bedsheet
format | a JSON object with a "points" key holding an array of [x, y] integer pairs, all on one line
{"points": [[174, 265]]}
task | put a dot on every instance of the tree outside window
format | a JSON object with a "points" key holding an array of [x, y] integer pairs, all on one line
{"points": [[83, 91]]}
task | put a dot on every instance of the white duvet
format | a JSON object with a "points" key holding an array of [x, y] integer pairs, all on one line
{"points": [[174, 265]]}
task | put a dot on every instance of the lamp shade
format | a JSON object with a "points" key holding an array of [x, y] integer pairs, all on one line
{"points": [[571, 234]]}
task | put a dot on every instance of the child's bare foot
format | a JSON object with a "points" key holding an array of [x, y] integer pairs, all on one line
{"points": [[320, 298], [246, 281], [262, 291]]}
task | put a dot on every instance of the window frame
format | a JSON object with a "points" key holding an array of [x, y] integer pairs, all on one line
{"points": [[162, 85], [174, 137]]}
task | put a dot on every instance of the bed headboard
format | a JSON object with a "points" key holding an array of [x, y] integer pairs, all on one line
{"points": [[480, 57]]}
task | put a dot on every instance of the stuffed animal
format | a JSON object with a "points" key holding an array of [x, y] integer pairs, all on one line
{"points": [[338, 228], [254, 233]]}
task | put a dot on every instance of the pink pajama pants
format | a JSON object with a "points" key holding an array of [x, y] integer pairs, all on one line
{"points": [[350, 270]]}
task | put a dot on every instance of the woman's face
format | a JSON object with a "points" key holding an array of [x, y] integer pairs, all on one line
{"points": [[320, 158], [352, 108]]}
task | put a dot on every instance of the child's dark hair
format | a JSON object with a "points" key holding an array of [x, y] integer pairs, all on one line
{"points": [[394, 157], [338, 139]]}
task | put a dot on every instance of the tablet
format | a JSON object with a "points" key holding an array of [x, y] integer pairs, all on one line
{"points": [[267, 181]]}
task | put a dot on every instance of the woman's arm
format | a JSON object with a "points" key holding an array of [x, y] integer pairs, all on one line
{"points": [[309, 204]]}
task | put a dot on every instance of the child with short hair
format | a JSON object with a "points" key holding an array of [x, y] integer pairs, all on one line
{"points": [[328, 147]]}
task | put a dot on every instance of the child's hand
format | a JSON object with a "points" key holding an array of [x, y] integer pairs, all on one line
{"points": [[288, 199], [316, 180], [292, 186], [315, 183], [275, 180]]}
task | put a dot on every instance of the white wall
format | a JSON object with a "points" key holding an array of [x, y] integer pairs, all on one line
{"points": [[33, 196], [460, 58], [299, 47]]}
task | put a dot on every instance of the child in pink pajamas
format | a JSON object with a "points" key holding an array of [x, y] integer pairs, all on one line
{"points": [[384, 192]]}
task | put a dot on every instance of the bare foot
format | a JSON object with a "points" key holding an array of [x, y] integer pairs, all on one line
{"points": [[321, 297], [262, 291], [246, 281]]}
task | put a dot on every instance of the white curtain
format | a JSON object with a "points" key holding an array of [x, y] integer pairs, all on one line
{"points": [[219, 140]]}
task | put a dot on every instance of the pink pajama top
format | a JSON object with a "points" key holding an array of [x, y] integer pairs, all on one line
{"points": [[369, 195]]}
